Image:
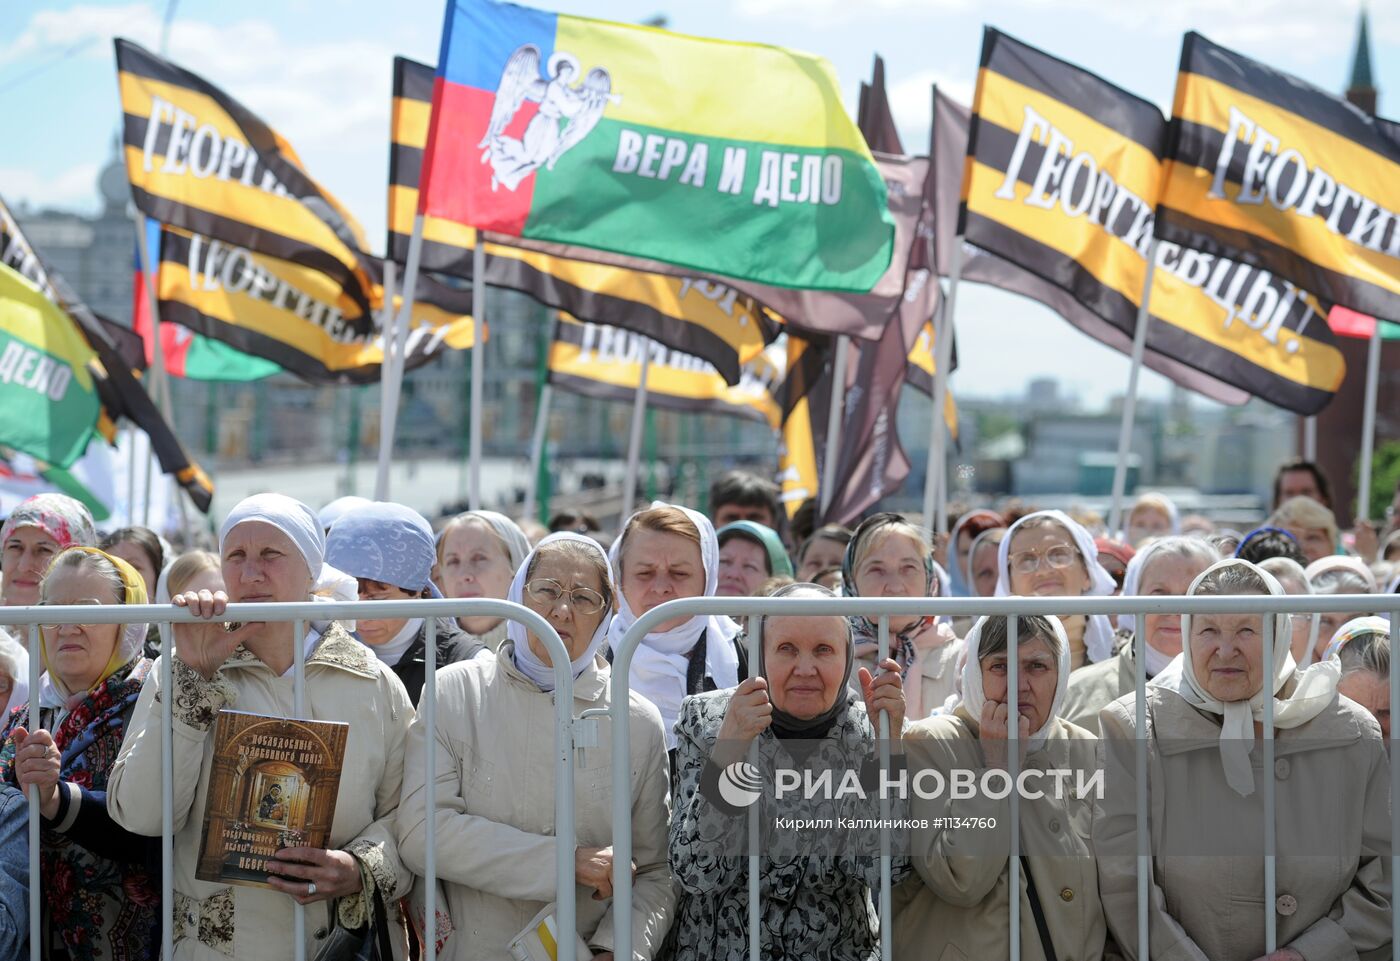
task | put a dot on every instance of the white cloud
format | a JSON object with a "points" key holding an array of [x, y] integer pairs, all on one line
{"points": [[820, 13], [911, 99], [72, 189]]}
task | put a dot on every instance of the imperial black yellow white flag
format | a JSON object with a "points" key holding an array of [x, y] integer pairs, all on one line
{"points": [[1066, 189], [601, 361], [701, 317], [1271, 170]]}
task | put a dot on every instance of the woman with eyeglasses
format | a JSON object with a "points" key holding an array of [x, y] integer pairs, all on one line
{"points": [[493, 797], [1048, 554], [101, 883], [389, 550]]}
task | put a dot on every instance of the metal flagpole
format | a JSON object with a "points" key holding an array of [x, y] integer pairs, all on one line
{"points": [[1125, 431], [389, 379], [1368, 423], [1310, 438], [478, 368], [835, 418], [936, 477], [634, 442], [537, 450], [157, 389]]}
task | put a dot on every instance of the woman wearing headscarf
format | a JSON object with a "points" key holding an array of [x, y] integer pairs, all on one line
{"points": [[493, 799], [1164, 568], [799, 711], [31, 537], [1362, 649], [101, 882], [956, 905], [969, 527], [749, 554], [1047, 554], [1204, 717], [889, 557], [1152, 515], [668, 552], [478, 553], [272, 550], [1327, 576], [1114, 557], [982, 563], [389, 550], [140, 547]]}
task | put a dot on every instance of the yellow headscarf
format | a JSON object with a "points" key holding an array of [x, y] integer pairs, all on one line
{"points": [[133, 636]]}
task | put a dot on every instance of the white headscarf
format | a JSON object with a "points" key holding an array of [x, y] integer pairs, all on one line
{"points": [[1158, 500], [1098, 631], [525, 658], [974, 697], [1316, 688], [1132, 587], [15, 656], [1343, 562], [517, 544], [660, 664]]}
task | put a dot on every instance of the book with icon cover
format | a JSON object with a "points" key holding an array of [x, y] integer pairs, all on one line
{"points": [[272, 785]]}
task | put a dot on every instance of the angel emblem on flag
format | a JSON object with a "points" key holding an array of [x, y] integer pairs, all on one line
{"points": [[566, 115]]}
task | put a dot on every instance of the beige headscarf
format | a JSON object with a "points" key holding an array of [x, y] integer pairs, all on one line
{"points": [[1315, 689]]}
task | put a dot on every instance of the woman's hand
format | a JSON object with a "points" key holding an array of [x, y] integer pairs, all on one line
{"points": [[995, 736], [884, 692], [205, 647], [593, 867], [335, 874], [749, 714], [37, 762]]}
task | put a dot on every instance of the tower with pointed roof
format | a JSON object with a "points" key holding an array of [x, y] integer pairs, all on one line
{"points": [[1361, 89]]}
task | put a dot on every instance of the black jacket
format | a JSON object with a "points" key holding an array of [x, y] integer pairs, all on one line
{"points": [[452, 645]]}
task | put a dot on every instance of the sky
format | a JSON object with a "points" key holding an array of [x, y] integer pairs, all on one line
{"points": [[319, 71]]}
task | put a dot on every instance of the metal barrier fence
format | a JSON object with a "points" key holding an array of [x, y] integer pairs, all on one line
{"points": [[880, 609]]}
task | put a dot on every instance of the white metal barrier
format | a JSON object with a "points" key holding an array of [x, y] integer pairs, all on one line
{"points": [[881, 609], [1011, 608], [35, 617]]}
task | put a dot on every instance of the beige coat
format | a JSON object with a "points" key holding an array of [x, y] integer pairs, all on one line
{"points": [[1095, 686], [1331, 777], [495, 807], [956, 907], [344, 682]]}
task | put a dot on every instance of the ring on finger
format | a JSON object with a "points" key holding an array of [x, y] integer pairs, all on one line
{"points": [[310, 888]]}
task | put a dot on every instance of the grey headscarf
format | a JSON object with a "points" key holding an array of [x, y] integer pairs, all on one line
{"points": [[786, 725]]}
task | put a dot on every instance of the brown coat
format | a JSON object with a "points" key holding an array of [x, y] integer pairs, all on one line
{"points": [[1333, 891], [957, 907]]}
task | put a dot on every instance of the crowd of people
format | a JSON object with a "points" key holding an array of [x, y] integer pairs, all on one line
{"points": [[90, 741]]}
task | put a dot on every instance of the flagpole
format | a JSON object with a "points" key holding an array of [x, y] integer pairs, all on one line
{"points": [[388, 382], [159, 390], [634, 442], [130, 475], [1368, 423], [834, 420], [1125, 430], [936, 477], [537, 451], [410, 288], [1310, 438], [478, 369]]}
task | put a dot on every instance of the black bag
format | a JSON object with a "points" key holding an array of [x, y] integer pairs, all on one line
{"points": [[367, 943], [1038, 912]]}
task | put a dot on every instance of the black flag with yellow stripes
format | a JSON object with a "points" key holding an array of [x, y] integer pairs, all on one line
{"points": [[1062, 178], [1272, 171]]}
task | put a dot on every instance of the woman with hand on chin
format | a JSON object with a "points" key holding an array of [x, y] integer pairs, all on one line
{"points": [[102, 883], [271, 549], [956, 908], [493, 800], [799, 710]]}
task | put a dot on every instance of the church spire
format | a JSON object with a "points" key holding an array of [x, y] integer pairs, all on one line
{"points": [[1361, 90]]}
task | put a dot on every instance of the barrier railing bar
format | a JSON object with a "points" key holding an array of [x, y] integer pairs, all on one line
{"points": [[1013, 756], [36, 928], [755, 639], [429, 701], [1270, 864], [886, 905], [1394, 792], [299, 713], [167, 798], [1144, 843]]}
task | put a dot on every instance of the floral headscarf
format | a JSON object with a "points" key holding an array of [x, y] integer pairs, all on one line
{"points": [[59, 516]]}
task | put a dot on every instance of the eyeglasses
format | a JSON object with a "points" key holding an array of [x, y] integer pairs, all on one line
{"points": [[78, 603], [550, 592], [1028, 562]]}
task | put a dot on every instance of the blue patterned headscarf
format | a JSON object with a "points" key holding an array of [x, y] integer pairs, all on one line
{"points": [[385, 542]]}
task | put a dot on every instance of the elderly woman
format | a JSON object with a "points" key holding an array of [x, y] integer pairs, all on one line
{"points": [[665, 553], [94, 676], [493, 798], [1164, 568], [969, 527], [14, 674], [1312, 525], [30, 538], [1152, 515], [1047, 554], [477, 554], [142, 549], [957, 905], [1205, 716], [1291, 576], [798, 710], [982, 562], [389, 550], [272, 550], [1115, 556], [1335, 574], [749, 554], [1362, 648], [889, 557], [822, 551]]}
